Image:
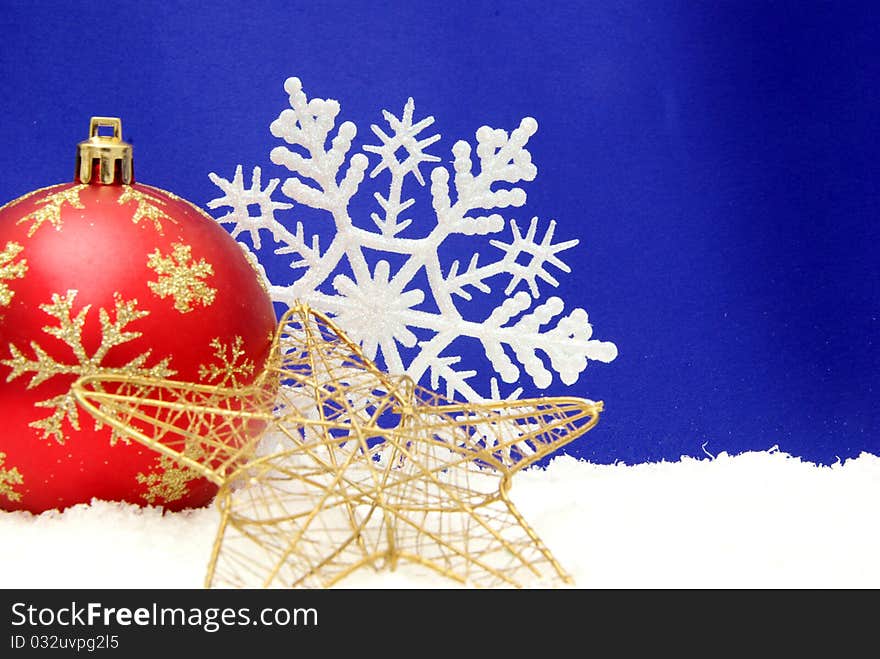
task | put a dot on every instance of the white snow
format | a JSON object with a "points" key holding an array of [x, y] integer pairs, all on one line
{"points": [[755, 520]]}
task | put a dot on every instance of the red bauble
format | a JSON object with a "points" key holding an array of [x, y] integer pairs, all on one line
{"points": [[113, 278]]}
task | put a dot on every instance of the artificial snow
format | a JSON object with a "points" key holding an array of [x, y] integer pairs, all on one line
{"points": [[754, 520]]}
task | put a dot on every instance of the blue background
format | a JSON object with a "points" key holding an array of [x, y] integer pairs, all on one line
{"points": [[718, 162]]}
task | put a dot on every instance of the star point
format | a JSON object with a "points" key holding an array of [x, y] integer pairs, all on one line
{"points": [[327, 465]]}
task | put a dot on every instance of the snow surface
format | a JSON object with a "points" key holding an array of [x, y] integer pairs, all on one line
{"points": [[755, 520]]}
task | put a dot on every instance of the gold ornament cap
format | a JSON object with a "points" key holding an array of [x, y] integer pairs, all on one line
{"points": [[104, 159]]}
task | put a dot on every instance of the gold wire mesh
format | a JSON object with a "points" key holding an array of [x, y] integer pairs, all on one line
{"points": [[326, 464]]}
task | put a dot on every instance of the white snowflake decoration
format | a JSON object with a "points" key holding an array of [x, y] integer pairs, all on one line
{"points": [[382, 307]]}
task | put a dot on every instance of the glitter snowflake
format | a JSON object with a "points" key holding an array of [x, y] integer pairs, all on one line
{"points": [[181, 279], [147, 208], [69, 330], [10, 269], [50, 209], [231, 365], [9, 479], [415, 305]]}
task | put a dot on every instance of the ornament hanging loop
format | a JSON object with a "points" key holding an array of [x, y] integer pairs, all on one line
{"points": [[104, 159]]}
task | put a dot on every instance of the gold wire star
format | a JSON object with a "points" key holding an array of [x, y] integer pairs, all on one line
{"points": [[326, 465]]}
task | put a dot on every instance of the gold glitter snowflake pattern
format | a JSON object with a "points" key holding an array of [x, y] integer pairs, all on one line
{"points": [[10, 270], [147, 208], [9, 478], [28, 195], [169, 482], [170, 479], [231, 365], [50, 210], [69, 330], [181, 279]]}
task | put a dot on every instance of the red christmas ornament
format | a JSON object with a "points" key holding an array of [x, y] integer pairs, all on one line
{"points": [[108, 275]]}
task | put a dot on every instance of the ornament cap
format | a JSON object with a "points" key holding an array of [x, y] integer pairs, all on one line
{"points": [[104, 159]]}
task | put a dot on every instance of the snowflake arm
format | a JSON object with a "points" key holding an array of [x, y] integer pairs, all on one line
{"points": [[10, 269], [230, 367], [495, 393], [113, 329], [403, 135], [69, 331], [295, 243], [50, 209], [307, 125], [9, 479], [503, 159], [569, 345], [147, 208], [454, 283], [239, 199], [539, 254], [441, 368]]}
